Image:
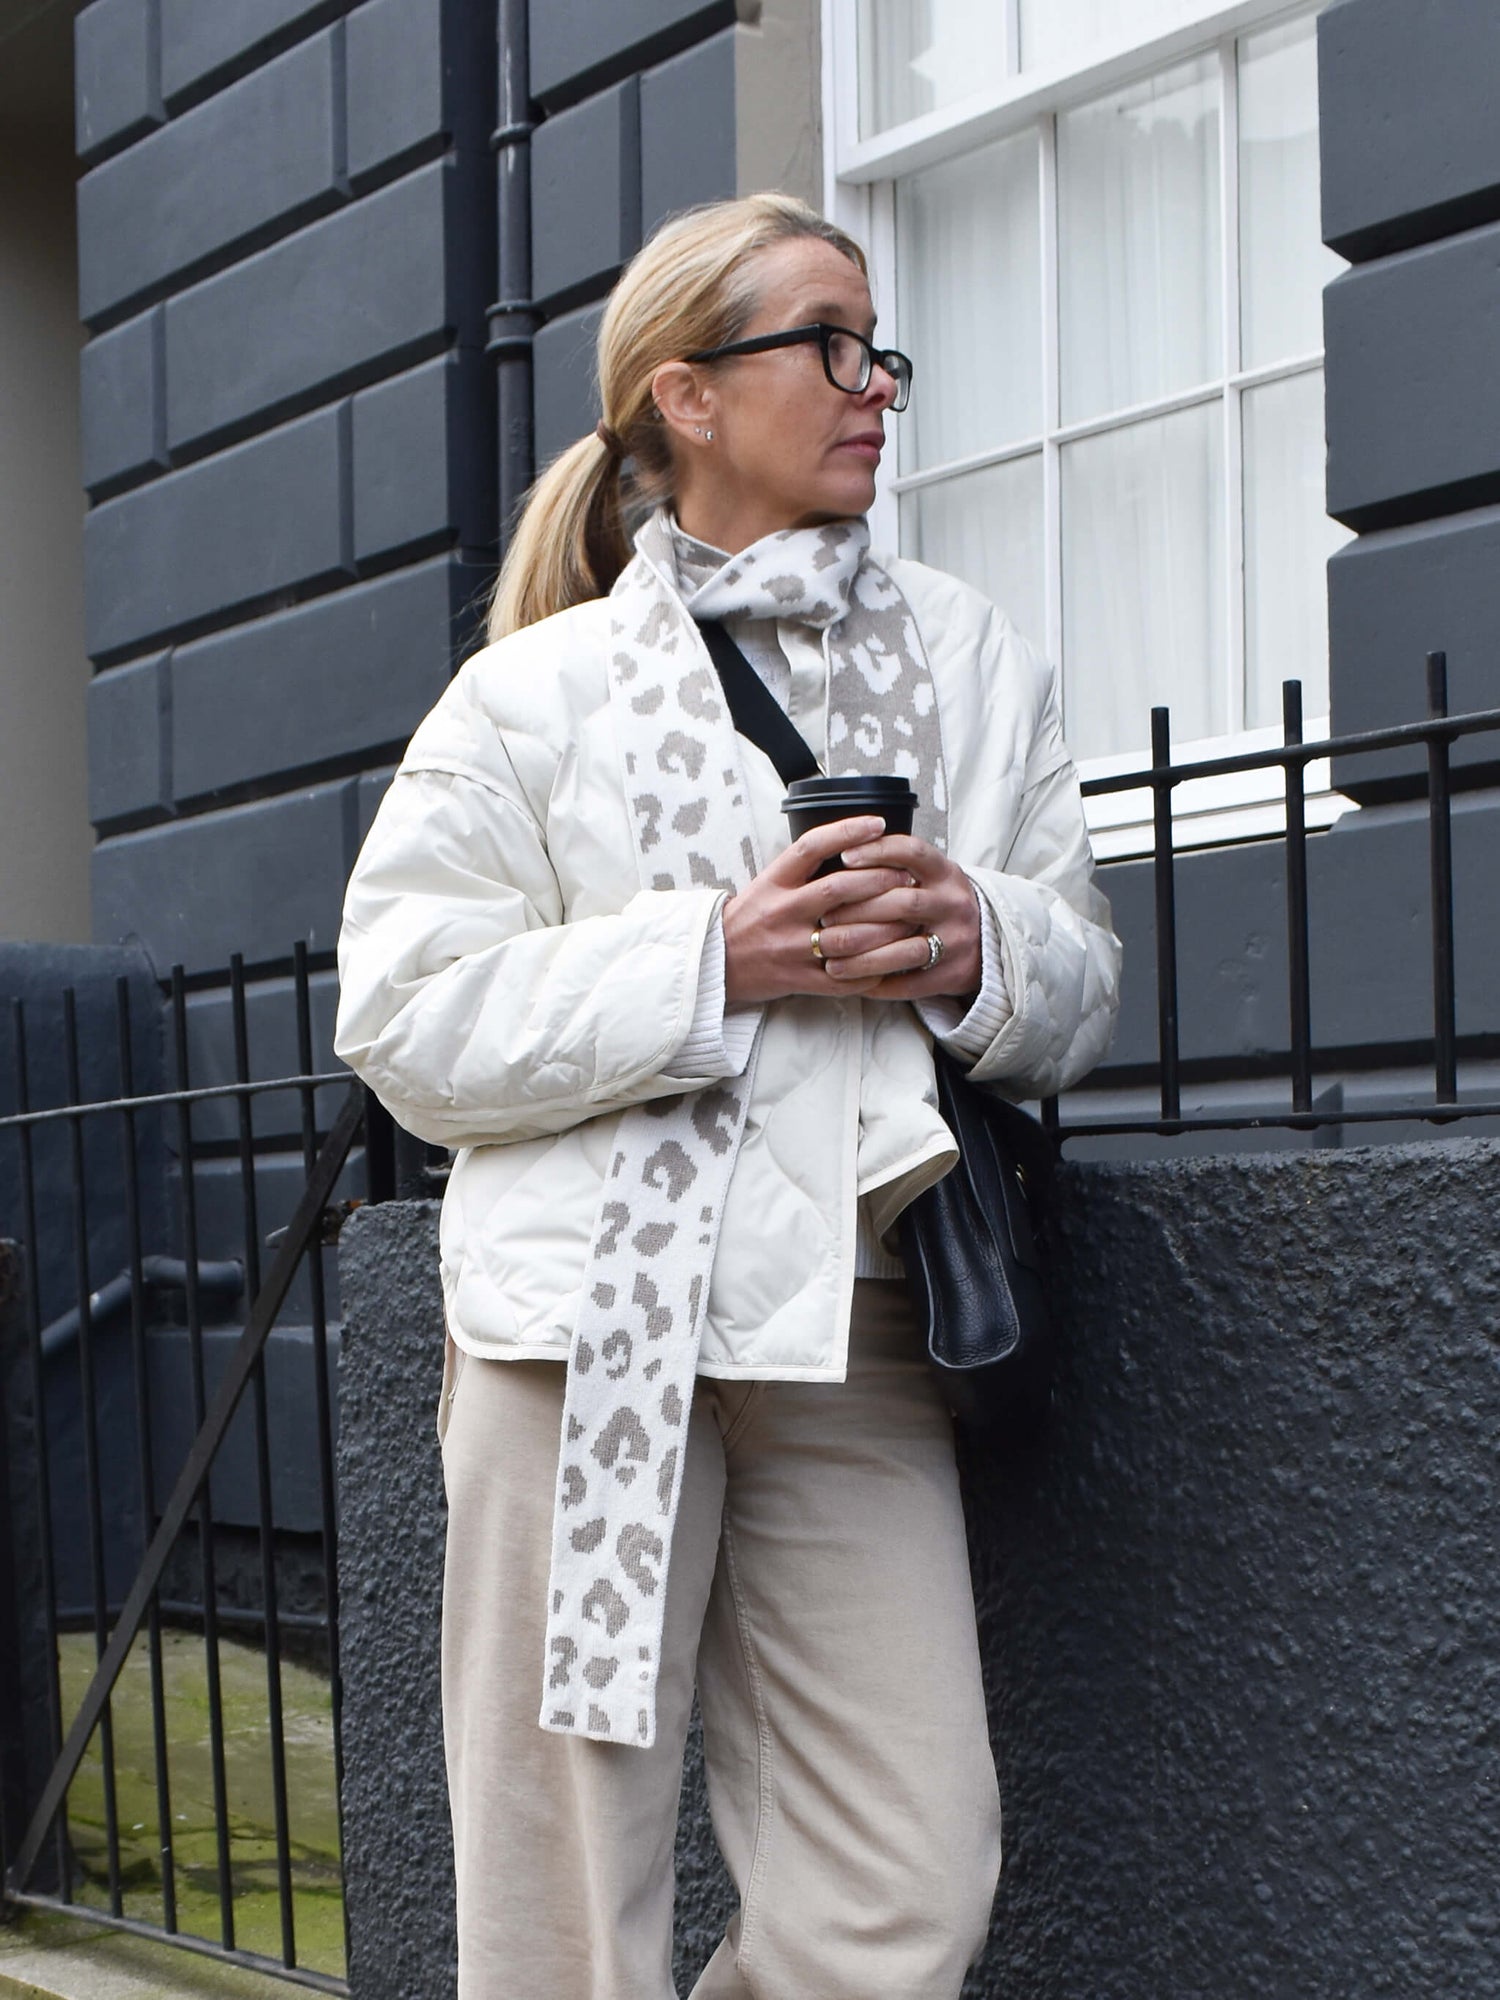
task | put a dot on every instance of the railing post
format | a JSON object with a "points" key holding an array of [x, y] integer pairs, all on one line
{"points": [[1440, 849], [1298, 978], [1164, 870], [26, 1721]]}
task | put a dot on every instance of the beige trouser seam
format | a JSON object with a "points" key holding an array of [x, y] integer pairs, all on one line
{"points": [[765, 1807]]}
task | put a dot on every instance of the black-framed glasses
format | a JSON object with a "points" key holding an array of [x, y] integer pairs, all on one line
{"points": [[848, 358]]}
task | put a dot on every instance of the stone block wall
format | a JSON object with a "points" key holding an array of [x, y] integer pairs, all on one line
{"points": [[1411, 194], [648, 107], [286, 250]]}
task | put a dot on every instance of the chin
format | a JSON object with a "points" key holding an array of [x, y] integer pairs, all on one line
{"points": [[839, 500]]}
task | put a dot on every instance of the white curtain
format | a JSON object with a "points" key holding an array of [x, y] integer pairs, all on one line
{"points": [[1139, 241], [1284, 263], [919, 55], [1143, 581], [986, 527], [969, 302]]}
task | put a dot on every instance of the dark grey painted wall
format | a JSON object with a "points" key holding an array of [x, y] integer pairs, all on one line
{"points": [[1237, 1613], [640, 120], [286, 249], [1411, 193]]}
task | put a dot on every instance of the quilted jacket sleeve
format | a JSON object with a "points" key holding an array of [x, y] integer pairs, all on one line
{"points": [[467, 1004], [1062, 959]]}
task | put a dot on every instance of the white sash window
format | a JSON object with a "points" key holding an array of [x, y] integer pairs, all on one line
{"points": [[1096, 226]]}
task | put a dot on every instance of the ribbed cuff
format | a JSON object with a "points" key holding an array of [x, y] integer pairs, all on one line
{"points": [[718, 1039], [871, 1258], [968, 1032]]}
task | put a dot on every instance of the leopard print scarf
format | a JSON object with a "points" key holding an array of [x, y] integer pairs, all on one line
{"points": [[634, 1353]]}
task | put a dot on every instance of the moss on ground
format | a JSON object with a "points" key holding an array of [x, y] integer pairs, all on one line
{"points": [[312, 1798]]}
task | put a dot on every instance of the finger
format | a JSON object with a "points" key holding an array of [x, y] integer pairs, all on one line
{"points": [[911, 909], [843, 897], [806, 855], [849, 940], [907, 955], [894, 850]]}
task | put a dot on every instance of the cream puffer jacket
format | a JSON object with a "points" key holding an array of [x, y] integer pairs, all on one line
{"points": [[508, 988]]}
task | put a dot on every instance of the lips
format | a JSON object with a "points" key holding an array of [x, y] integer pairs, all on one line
{"points": [[868, 444]]}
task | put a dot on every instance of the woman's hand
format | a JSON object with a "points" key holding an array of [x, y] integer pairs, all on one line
{"points": [[932, 896], [872, 919], [768, 926]]}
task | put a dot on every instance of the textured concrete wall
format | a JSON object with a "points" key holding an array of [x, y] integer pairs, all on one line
{"points": [[398, 1851], [1238, 1615]]}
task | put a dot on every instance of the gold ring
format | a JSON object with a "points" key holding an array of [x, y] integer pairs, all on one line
{"points": [[817, 944], [935, 949]]}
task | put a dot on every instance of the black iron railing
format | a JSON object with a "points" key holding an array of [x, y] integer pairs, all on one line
{"points": [[1436, 735], [174, 1291], [163, 1284]]}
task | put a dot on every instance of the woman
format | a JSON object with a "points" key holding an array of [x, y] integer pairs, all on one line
{"points": [[690, 1085]]}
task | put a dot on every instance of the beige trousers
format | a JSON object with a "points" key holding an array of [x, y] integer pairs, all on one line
{"points": [[820, 1591]]}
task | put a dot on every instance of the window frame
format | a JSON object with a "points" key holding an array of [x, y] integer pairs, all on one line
{"points": [[860, 178]]}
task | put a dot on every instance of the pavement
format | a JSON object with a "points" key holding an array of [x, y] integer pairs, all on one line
{"points": [[51, 1955], [47, 1957]]}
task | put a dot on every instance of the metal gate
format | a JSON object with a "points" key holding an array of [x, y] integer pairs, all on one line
{"points": [[120, 1412]]}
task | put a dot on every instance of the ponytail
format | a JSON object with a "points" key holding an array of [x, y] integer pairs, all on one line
{"points": [[569, 544], [691, 287]]}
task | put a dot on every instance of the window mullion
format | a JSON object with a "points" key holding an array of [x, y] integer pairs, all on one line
{"points": [[842, 56], [880, 238], [1234, 485], [1012, 37], [1051, 397]]}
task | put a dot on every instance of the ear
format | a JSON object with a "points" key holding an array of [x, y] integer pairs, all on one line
{"points": [[686, 402]]}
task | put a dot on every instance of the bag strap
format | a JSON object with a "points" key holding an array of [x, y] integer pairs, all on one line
{"points": [[756, 713]]}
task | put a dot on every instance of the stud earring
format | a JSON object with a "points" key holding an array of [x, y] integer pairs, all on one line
{"points": [[708, 437]]}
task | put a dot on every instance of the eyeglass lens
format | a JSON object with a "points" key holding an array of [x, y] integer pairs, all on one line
{"points": [[851, 363]]}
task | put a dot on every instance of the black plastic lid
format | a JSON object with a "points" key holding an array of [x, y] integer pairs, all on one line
{"points": [[810, 791]]}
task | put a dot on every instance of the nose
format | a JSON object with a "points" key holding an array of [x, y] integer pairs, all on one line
{"points": [[880, 391]]}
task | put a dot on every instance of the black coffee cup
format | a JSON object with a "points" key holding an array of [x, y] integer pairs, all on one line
{"points": [[811, 802]]}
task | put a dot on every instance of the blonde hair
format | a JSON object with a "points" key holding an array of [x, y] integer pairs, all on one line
{"points": [[690, 287]]}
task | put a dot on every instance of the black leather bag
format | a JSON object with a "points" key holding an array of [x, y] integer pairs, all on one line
{"points": [[970, 1242], [972, 1248]]}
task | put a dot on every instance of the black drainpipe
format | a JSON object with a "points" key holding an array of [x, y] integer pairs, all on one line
{"points": [[513, 319]]}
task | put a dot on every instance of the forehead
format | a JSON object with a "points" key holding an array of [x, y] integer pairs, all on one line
{"points": [[806, 279]]}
